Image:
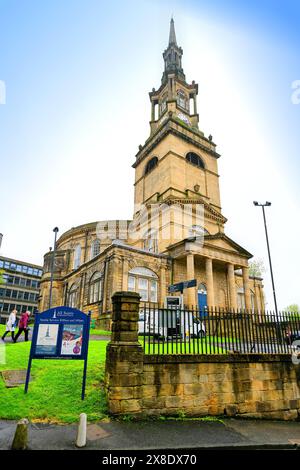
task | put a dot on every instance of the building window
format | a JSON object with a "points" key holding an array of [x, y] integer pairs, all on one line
{"points": [[95, 248], [151, 164], [77, 256], [241, 299], [73, 296], [182, 100], [150, 241], [145, 282], [95, 288], [194, 159], [252, 297]]}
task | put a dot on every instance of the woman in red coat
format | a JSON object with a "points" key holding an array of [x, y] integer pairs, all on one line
{"points": [[23, 325]]}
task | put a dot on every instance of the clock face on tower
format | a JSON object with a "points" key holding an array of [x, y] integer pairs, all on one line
{"points": [[184, 118]]}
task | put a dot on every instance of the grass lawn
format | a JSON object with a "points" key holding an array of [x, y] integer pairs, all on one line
{"points": [[201, 346], [54, 394], [96, 332]]}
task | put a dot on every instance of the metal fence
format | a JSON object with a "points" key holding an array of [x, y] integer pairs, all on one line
{"points": [[216, 331]]}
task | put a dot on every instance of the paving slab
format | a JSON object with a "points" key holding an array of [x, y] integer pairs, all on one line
{"points": [[149, 435]]}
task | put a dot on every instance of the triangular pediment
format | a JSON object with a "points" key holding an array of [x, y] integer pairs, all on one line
{"points": [[220, 240]]}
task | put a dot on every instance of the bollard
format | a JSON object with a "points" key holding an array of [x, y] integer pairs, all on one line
{"points": [[20, 441], [81, 432]]}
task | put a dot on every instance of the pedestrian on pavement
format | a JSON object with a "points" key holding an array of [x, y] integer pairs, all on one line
{"points": [[23, 325], [11, 324]]}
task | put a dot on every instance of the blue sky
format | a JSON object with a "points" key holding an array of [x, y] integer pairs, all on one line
{"points": [[77, 76]]}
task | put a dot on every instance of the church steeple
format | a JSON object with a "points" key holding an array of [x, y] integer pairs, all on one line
{"points": [[172, 35], [172, 57]]}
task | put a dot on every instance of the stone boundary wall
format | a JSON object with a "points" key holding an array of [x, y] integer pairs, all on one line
{"points": [[249, 385]]}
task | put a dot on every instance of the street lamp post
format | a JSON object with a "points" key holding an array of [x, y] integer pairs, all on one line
{"points": [[55, 230], [267, 204]]}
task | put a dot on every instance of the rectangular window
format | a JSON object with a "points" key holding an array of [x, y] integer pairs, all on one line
{"points": [[1, 264], [131, 283], [14, 294], [143, 289], [153, 291], [22, 281]]}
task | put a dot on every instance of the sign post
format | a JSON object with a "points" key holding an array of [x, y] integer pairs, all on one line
{"points": [[60, 333], [180, 286]]}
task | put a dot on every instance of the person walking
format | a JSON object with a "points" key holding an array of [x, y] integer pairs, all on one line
{"points": [[23, 326], [11, 324]]}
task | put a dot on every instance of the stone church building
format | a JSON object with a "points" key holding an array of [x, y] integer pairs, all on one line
{"points": [[177, 230]]}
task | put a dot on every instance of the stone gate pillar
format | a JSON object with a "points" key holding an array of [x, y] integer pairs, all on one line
{"points": [[124, 356]]}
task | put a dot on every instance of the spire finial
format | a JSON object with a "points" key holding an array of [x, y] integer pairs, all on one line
{"points": [[172, 36]]}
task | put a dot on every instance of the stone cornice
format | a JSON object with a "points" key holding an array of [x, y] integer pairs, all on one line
{"points": [[85, 228], [170, 127]]}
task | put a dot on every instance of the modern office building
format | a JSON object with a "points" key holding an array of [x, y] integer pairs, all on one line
{"points": [[21, 286]]}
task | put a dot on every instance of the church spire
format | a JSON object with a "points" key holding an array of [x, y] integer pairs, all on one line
{"points": [[172, 35], [172, 57]]}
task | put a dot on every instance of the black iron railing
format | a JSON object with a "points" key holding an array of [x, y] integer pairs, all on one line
{"points": [[215, 331]]}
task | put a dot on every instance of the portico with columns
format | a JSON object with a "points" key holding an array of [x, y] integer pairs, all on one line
{"points": [[217, 269]]}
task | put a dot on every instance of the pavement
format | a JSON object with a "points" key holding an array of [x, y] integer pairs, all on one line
{"points": [[155, 435]]}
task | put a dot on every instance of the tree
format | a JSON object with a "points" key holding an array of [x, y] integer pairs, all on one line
{"points": [[293, 308], [256, 268], [293, 312], [1, 277]]}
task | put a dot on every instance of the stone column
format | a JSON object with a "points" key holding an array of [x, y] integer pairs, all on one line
{"points": [[190, 274], [210, 283], [231, 285], [245, 271], [124, 357], [195, 104], [125, 274], [152, 111], [162, 285]]}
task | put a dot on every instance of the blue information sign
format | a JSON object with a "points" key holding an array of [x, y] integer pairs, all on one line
{"points": [[60, 333], [182, 285]]}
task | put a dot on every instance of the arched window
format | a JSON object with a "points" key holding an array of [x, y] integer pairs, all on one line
{"points": [[95, 248], [194, 159], [202, 289], [77, 256], [150, 241], [95, 291], [73, 296], [151, 164], [182, 100], [145, 282]]}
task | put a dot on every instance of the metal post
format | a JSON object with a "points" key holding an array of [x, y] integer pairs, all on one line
{"points": [[269, 253], [55, 230]]}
